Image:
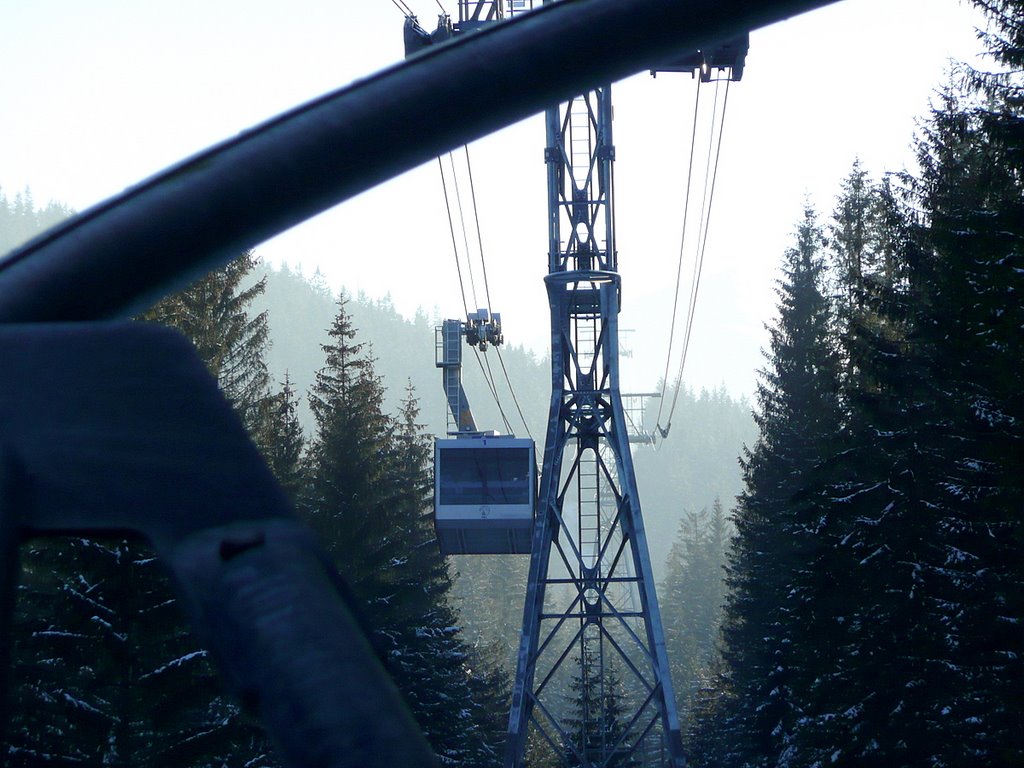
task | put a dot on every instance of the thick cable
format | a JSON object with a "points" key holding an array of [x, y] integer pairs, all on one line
{"points": [[401, 6], [487, 292], [455, 247], [465, 236], [698, 262], [488, 374], [487, 286], [479, 236], [679, 266], [513, 391], [489, 378], [705, 217], [703, 246]]}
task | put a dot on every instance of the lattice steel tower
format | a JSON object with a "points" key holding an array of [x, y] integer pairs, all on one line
{"points": [[592, 685], [591, 623]]}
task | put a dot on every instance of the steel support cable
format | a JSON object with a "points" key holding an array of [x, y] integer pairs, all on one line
{"points": [[487, 374], [489, 378], [487, 292], [513, 391], [705, 217], [487, 287], [703, 246], [679, 266], [479, 235], [465, 235], [403, 7], [698, 262], [455, 247], [708, 193]]}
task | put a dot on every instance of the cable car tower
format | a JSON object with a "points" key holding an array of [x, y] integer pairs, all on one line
{"points": [[592, 685]]}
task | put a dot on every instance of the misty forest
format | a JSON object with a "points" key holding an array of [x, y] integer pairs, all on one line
{"points": [[839, 563]]}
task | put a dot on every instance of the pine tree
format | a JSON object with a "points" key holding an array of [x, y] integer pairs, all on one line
{"points": [[597, 725], [349, 496], [491, 691], [214, 313], [692, 595], [54, 720], [852, 239], [868, 598], [932, 475], [489, 592], [280, 437], [369, 495], [430, 665], [971, 192], [21, 220], [677, 598], [709, 734], [798, 418]]}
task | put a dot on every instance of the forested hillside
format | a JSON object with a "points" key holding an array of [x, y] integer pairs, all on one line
{"points": [[875, 597], [21, 220], [683, 475], [695, 465], [300, 312]]}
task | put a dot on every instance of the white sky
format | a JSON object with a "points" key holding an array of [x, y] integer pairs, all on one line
{"points": [[95, 96]]}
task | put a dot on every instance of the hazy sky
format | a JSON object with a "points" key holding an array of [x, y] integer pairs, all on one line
{"points": [[95, 96]]}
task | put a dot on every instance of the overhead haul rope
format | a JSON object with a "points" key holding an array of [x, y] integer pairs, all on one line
{"points": [[465, 236], [451, 228], [405, 9], [513, 391], [458, 269], [487, 291], [489, 378], [485, 365], [679, 267], [702, 235], [479, 236]]}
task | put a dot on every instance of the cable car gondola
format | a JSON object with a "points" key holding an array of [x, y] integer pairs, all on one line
{"points": [[485, 493]]}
